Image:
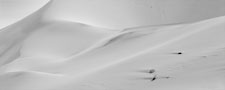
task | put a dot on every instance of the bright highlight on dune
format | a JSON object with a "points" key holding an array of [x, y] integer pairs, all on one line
{"points": [[112, 45]]}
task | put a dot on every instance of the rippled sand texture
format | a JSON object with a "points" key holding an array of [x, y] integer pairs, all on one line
{"points": [[46, 52]]}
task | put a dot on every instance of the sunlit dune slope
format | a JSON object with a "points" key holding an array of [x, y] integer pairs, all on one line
{"points": [[57, 54], [123, 57], [200, 67]]}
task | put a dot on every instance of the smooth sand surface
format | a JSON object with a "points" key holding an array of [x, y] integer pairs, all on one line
{"points": [[44, 52]]}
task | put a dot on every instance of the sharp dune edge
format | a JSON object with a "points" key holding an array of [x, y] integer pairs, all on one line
{"points": [[37, 53]]}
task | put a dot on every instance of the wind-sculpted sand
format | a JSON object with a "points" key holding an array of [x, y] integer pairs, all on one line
{"points": [[37, 53]]}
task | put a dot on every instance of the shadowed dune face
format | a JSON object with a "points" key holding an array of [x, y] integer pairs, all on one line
{"points": [[115, 14], [122, 14], [12, 11]]}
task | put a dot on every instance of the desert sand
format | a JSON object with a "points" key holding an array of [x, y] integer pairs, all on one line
{"points": [[50, 48]]}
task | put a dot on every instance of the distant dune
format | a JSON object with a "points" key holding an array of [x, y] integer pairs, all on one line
{"points": [[46, 50]]}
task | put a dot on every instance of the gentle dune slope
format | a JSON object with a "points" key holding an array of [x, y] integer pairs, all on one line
{"points": [[46, 54], [34, 43], [200, 67], [61, 39], [123, 57]]}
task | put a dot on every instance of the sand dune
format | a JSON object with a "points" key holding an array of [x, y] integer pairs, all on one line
{"points": [[47, 52]]}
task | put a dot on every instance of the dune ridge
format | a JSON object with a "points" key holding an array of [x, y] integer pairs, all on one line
{"points": [[58, 54]]}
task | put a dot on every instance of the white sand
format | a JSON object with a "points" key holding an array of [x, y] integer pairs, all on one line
{"points": [[38, 53]]}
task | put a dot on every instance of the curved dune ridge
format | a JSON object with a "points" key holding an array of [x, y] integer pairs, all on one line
{"points": [[38, 53]]}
